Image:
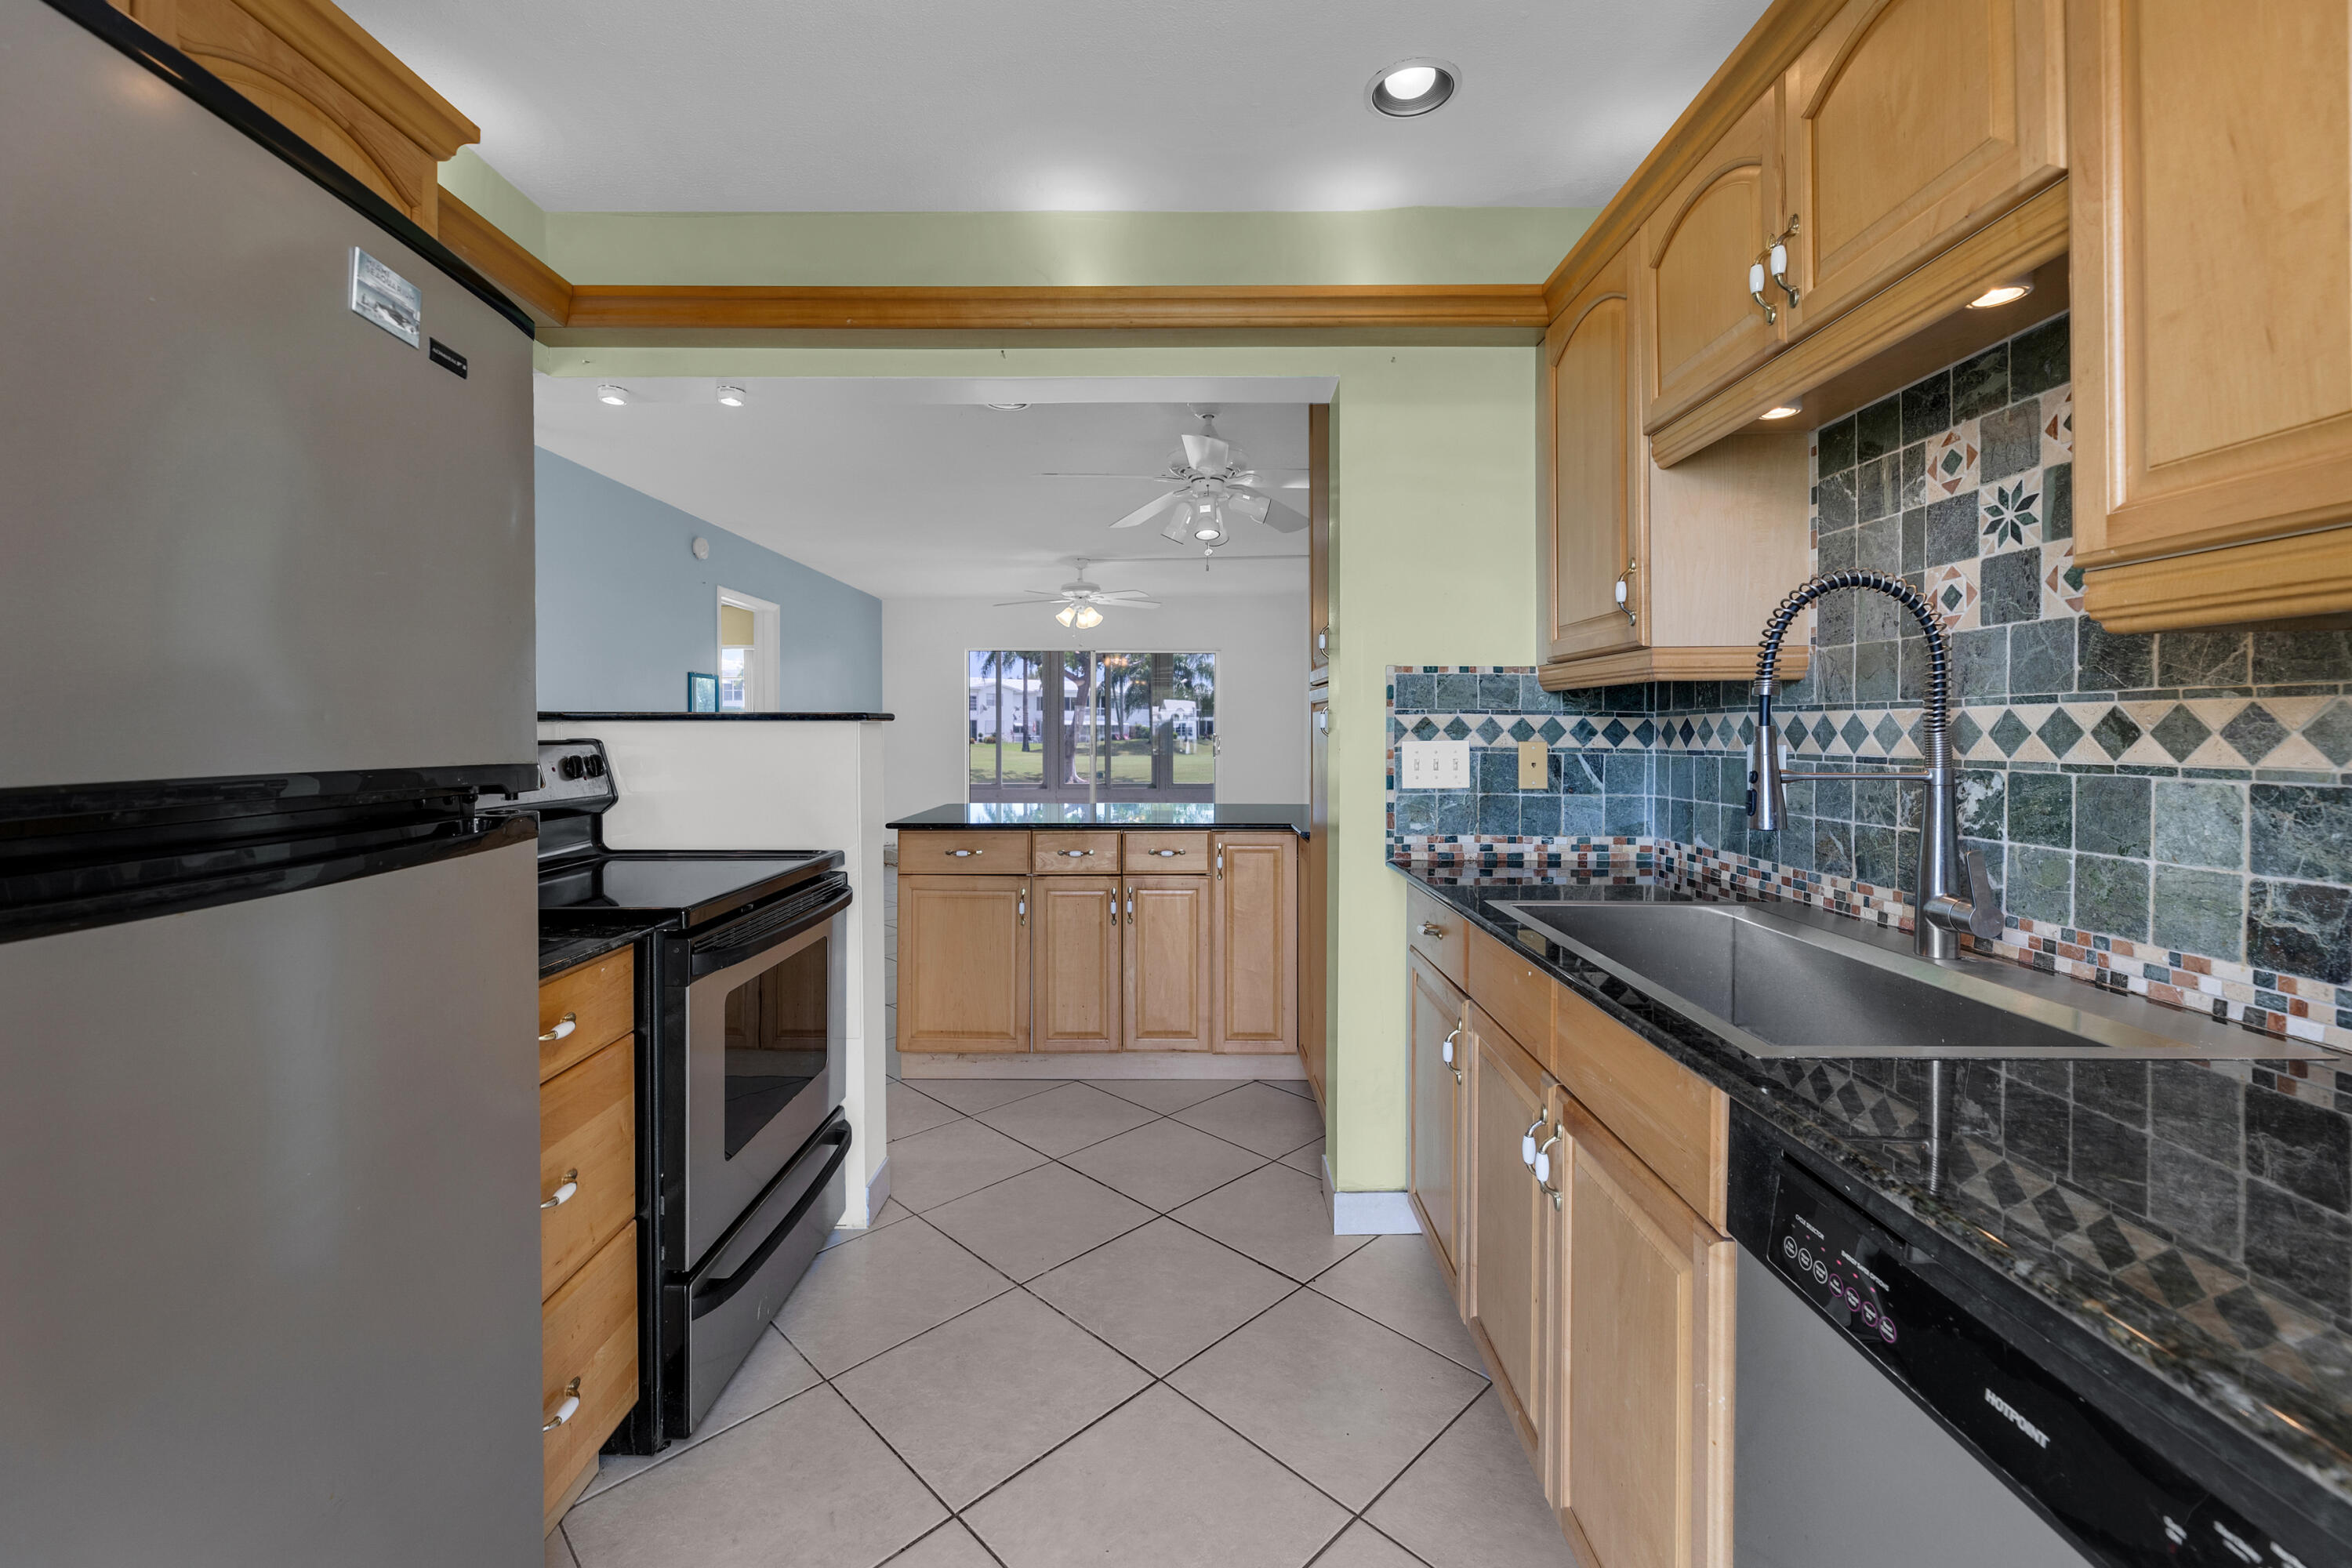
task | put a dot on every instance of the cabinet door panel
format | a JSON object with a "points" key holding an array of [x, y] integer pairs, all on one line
{"points": [[1439, 1022], [1912, 122], [1167, 921], [2212, 234], [1701, 324], [963, 963], [1509, 1213], [1077, 996], [1594, 447], [1254, 884], [1641, 1476]]}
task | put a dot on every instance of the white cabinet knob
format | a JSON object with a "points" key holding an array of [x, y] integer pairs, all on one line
{"points": [[1542, 1163], [1445, 1051], [1527, 1150]]}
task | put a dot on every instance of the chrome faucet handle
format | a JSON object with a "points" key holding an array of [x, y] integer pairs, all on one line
{"points": [[1984, 901]]}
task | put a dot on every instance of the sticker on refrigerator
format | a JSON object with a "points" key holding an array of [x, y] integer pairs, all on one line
{"points": [[385, 298]]}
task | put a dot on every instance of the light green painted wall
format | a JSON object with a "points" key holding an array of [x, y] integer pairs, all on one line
{"points": [[1434, 455], [485, 190]]}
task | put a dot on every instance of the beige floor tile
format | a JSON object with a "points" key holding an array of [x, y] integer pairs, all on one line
{"points": [[771, 1375], [1297, 1086], [911, 1112], [943, 1164], [1274, 1215], [1396, 1281], [864, 1297], [948, 1546], [559, 1551], [1257, 1116], [1361, 1547], [1473, 1500], [982, 1394], [1066, 1118], [806, 1483], [1164, 1163], [1163, 1293], [973, 1094], [1155, 1484], [1038, 1219], [1341, 1400], [1165, 1095], [1309, 1159]]}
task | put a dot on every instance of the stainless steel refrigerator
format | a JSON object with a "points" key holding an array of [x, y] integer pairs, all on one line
{"points": [[269, 1234]]}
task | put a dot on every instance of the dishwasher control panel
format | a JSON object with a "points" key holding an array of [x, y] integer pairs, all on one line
{"points": [[2125, 1505]]}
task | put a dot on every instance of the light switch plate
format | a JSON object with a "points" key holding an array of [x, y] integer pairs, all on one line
{"points": [[1534, 764], [1434, 764]]}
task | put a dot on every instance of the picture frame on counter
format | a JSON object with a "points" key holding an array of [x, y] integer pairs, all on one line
{"points": [[701, 693]]}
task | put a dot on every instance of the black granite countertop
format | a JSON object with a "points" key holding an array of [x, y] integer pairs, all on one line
{"points": [[2100, 1213], [717, 718], [1234, 816], [560, 953]]}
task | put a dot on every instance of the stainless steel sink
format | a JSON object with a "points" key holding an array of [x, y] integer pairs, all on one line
{"points": [[1798, 983]]}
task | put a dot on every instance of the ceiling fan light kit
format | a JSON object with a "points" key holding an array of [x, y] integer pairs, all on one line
{"points": [[1214, 484]]}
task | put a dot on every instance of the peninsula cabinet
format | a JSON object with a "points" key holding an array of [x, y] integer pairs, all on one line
{"points": [[1077, 968], [1254, 972], [963, 962], [2211, 225], [1168, 947]]}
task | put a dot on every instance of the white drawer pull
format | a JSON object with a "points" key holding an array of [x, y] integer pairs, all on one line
{"points": [[963, 854], [570, 1021], [1163, 854], [1445, 1051], [1073, 854], [564, 1193], [1431, 928], [568, 1409]]}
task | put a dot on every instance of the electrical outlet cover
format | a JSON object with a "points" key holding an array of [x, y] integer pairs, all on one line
{"points": [[1534, 764]]}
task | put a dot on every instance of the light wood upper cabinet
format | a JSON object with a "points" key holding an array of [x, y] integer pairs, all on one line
{"points": [[1441, 1055], [1253, 885], [1595, 444], [1167, 923], [2211, 216], [1314, 905], [1695, 250], [1910, 123], [1075, 1000], [963, 962], [1640, 1469], [1510, 1223]]}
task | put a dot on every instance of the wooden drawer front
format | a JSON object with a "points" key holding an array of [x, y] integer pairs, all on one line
{"points": [[936, 852], [1075, 853], [583, 1010], [587, 1141], [1439, 934], [1673, 1120], [1512, 991], [588, 1331], [1166, 854]]}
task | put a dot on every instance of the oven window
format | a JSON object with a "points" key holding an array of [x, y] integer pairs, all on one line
{"points": [[775, 1040]]}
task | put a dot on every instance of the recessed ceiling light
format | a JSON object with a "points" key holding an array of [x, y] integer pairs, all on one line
{"points": [[612, 395], [1009, 407], [733, 396], [1784, 410], [2008, 291], [1411, 86]]}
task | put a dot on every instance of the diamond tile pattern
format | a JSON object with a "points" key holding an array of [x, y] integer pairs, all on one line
{"points": [[1195, 1371]]}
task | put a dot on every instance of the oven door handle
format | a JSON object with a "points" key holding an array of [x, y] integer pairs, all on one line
{"points": [[710, 960], [713, 1294]]}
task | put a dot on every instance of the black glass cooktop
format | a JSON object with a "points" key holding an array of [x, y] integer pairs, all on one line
{"points": [[690, 888]]}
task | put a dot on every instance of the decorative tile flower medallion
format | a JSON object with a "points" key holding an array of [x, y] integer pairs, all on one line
{"points": [[1952, 460], [1952, 595], [2011, 515], [2058, 425]]}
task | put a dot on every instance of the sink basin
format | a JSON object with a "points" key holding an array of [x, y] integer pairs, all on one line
{"points": [[1805, 984]]}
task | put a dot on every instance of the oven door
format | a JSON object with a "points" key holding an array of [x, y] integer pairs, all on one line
{"points": [[767, 1035]]}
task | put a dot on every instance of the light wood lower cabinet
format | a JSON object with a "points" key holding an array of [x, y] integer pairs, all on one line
{"points": [[1441, 1054], [588, 1353], [1077, 998], [963, 962], [1167, 922], [1510, 1230], [1254, 972]]}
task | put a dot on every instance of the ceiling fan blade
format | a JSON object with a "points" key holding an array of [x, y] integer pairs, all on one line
{"points": [[1139, 604], [1014, 604], [1265, 509], [1159, 478], [1149, 511], [1207, 453], [1116, 594]]}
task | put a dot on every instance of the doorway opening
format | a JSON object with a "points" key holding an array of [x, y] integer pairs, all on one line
{"points": [[749, 679]]}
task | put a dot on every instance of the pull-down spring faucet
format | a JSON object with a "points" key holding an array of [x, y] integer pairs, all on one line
{"points": [[1943, 911]]}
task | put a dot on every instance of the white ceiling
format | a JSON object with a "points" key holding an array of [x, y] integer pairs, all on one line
{"points": [[912, 488], [1055, 105]]}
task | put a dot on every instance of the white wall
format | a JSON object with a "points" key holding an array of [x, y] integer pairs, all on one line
{"points": [[1260, 642]]}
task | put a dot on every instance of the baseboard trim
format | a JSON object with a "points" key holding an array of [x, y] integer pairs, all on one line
{"points": [[878, 1192], [1096, 1064], [1369, 1214]]}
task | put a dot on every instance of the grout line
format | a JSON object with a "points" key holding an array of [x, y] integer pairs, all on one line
{"points": [[567, 1551]]}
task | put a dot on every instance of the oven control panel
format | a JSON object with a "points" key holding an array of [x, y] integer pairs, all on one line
{"points": [[2125, 1505], [573, 775]]}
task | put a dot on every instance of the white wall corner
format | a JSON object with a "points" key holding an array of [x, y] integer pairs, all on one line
{"points": [[1368, 1214]]}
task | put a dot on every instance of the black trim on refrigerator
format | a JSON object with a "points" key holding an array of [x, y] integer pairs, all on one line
{"points": [[242, 112]]}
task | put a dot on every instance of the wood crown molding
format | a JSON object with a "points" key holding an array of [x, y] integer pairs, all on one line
{"points": [[1734, 663], [1770, 48], [532, 284], [2268, 580], [342, 48]]}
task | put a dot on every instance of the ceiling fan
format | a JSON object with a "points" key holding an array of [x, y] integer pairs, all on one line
{"points": [[1215, 485], [1083, 603]]}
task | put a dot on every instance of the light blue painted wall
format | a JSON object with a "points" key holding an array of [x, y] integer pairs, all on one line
{"points": [[625, 610]]}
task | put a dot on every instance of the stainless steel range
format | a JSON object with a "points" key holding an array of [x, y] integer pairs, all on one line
{"points": [[741, 1137]]}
